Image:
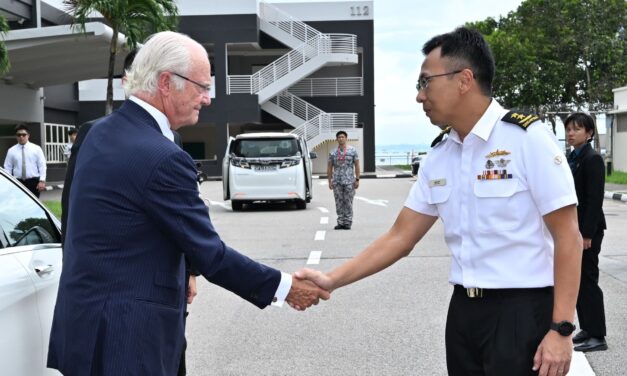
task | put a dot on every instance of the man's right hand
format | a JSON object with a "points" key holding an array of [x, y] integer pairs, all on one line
{"points": [[330, 185], [303, 294]]}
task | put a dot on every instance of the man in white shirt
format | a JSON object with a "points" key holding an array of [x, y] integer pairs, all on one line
{"points": [[26, 161], [504, 193], [67, 150]]}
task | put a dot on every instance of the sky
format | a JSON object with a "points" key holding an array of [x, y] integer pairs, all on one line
{"points": [[401, 28]]}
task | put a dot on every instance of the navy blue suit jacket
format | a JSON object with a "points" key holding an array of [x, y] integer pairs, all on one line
{"points": [[135, 212]]}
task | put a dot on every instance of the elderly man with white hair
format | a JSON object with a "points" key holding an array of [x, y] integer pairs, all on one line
{"points": [[135, 213]]}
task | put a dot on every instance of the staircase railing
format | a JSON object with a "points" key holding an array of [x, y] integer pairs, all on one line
{"points": [[326, 123], [286, 23], [295, 105], [321, 44]]}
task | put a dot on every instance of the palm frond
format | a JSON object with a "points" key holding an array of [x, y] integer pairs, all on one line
{"points": [[5, 64]]}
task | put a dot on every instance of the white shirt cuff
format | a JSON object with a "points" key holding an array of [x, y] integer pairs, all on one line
{"points": [[284, 288]]}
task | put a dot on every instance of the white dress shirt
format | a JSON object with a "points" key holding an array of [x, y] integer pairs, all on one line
{"points": [[35, 161], [164, 124], [491, 191]]}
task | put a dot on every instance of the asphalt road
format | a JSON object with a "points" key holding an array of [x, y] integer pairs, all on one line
{"points": [[389, 324]]}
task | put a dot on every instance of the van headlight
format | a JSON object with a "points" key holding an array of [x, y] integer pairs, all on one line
{"points": [[290, 163], [241, 163]]}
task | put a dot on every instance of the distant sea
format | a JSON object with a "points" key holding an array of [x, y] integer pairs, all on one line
{"points": [[398, 154]]}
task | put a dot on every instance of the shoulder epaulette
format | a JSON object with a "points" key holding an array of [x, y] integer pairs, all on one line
{"points": [[520, 118], [439, 137]]}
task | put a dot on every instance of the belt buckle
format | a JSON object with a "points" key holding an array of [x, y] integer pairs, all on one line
{"points": [[474, 292]]}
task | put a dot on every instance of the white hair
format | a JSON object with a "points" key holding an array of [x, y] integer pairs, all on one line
{"points": [[166, 51]]}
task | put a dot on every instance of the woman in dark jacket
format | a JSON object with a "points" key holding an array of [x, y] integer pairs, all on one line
{"points": [[589, 175]]}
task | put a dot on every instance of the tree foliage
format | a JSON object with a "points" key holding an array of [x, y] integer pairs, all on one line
{"points": [[136, 19], [559, 55], [5, 65]]}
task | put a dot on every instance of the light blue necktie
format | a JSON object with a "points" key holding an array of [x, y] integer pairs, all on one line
{"points": [[23, 163]]}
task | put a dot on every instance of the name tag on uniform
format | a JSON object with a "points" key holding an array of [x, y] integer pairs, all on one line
{"points": [[437, 183]]}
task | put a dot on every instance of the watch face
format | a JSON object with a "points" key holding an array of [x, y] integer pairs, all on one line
{"points": [[566, 328]]}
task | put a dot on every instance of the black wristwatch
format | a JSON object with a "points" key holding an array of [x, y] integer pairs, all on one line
{"points": [[564, 328]]}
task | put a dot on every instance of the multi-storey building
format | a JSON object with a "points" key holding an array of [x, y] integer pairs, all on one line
{"points": [[291, 67]]}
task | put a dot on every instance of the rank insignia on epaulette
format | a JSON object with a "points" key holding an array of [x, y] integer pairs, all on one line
{"points": [[522, 119], [439, 137]]}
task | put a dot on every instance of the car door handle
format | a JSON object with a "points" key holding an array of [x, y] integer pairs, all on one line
{"points": [[44, 269]]}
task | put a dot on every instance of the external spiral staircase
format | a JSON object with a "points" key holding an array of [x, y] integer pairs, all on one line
{"points": [[278, 84]]}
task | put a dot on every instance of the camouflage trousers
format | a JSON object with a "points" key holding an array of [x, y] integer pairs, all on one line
{"points": [[344, 203]]}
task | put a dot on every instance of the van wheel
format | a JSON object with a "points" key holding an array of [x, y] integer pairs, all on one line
{"points": [[237, 205], [301, 204]]}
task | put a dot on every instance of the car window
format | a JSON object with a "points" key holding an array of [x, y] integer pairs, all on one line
{"points": [[22, 220], [266, 148]]}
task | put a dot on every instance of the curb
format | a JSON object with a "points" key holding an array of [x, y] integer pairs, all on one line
{"points": [[616, 196], [53, 187]]}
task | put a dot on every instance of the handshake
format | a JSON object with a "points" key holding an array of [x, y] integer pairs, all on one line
{"points": [[308, 287]]}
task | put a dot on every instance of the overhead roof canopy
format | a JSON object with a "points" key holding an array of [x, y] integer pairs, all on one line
{"points": [[60, 54]]}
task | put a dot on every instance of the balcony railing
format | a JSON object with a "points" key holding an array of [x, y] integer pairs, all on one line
{"points": [[328, 87], [319, 45]]}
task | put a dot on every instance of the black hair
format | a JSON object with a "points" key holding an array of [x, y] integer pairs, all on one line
{"points": [[72, 131], [341, 132], [468, 49], [22, 127], [582, 120]]}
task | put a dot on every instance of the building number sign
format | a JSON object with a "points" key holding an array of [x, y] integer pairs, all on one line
{"points": [[360, 11]]}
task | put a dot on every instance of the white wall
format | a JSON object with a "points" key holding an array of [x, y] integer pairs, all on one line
{"points": [[329, 11], [619, 141], [213, 7], [21, 105]]}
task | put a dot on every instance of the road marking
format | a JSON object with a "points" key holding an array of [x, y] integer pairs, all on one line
{"points": [[373, 202], [579, 365], [320, 235], [314, 258], [222, 204], [324, 220], [324, 210]]}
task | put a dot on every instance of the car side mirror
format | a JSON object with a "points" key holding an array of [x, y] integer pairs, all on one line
{"points": [[313, 155]]}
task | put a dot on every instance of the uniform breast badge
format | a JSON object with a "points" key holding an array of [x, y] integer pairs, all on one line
{"points": [[496, 174]]}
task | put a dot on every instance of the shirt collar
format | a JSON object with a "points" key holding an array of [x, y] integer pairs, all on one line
{"points": [[486, 123], [159, 117]]}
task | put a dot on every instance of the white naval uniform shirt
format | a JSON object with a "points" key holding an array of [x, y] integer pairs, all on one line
{"points": [[494, 227]]}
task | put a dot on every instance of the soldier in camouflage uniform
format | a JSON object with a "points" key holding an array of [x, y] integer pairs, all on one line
{"points": [[343, 174]]}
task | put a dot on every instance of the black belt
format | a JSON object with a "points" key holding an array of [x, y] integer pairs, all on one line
{"points": [[475, 292]]}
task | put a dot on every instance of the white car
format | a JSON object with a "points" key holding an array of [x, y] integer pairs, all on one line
{"points": [[267, 167], [30, 266]]}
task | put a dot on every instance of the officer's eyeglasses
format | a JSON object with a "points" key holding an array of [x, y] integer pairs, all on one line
{"points": [[21, 134], [423, 82], [205, 88]]}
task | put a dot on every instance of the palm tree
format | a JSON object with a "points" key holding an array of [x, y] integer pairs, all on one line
{"points": [[5, 65], [136, 19]]}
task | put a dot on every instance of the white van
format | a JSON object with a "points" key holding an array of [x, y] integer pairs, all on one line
{"points": [[267, 167]]}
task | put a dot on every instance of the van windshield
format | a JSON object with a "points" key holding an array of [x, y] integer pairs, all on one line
{"points": [[265, 148]]}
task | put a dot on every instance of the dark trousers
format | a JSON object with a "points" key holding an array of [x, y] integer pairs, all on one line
{"points": [[31, 185], [497, 334], [590, 309]]}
